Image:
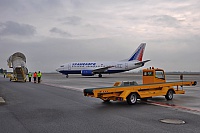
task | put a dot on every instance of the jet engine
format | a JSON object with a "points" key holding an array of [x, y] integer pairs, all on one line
{"points": [[87, 73]]}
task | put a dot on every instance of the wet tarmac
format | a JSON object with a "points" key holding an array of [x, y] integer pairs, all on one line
{"points": [[187, 102], [58, 105]]}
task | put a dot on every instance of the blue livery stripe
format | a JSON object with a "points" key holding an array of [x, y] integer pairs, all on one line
{"points": [[79, 71], [137, 55]]}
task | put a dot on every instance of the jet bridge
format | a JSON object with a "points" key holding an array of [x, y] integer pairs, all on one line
{"points": [[17, 61]]}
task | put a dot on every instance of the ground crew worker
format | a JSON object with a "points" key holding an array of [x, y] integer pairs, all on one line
{"points": [[29, 76], [4, 75], [39, 75], [35, 76], [181, 77]]}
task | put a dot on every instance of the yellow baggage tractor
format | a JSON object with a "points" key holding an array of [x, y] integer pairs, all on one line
{"points": [[154, 84]]}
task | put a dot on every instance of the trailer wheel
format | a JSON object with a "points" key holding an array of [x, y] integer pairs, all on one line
{"points": [[106, 101], [169, 95], [131, 98]]}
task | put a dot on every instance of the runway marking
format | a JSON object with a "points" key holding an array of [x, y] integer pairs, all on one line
{"points": [[196, 111]]}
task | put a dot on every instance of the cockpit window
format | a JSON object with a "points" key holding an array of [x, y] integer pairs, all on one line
{"points": [[62, 66], [160, 74]]}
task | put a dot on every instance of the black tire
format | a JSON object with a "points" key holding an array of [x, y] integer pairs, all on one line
{"points": [[132, 98], [106, 101], [195, 83], [100, 75], [145, 99], [67, 76], [169, 95]]}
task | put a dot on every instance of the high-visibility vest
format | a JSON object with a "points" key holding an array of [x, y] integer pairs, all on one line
{"points": [[39, 75], [35, 75], [30, 75]]}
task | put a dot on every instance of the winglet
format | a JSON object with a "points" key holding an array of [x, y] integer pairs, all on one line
{"points": [[138, 54]]}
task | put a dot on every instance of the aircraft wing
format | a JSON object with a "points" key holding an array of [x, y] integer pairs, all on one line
{"points": [[142, 62], [102, 69]]}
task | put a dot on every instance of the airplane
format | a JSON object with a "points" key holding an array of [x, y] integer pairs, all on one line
{"points": [[105, 67]]}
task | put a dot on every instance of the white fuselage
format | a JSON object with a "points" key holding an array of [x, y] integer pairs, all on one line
{"points": [[106, 67], [114, 67]]}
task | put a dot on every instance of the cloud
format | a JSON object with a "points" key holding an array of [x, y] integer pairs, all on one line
{"points": [[38, 5], [10, 28], [72, 20], [60, 32], [165, 21], [66, 27], [76, 3]]}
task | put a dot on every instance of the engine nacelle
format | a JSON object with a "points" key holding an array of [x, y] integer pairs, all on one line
{"points": [[87, 73]]}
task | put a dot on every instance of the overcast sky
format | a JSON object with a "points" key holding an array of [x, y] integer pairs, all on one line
{"points": [[53, 32]]}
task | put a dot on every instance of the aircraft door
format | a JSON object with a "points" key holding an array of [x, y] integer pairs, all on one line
{"points": [[69, 66], [126, 66]]}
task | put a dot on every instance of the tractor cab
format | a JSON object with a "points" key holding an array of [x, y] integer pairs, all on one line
{"points": [[151, 75]]}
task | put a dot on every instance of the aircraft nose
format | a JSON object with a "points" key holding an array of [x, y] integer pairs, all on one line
{"points": [[58, 69]]}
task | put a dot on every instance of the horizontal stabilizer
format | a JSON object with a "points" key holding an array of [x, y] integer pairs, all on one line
{"points": [[142, 62]]}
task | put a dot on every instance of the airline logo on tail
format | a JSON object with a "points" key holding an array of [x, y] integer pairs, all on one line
{"points": [[138, 54]]}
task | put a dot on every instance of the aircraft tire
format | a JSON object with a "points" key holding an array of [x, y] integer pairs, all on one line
{"points": [[100, 75]]}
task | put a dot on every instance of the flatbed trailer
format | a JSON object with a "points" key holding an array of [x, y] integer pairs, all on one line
{"points": [[154, 84]]}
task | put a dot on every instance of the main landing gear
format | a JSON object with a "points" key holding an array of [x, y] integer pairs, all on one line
{"points": [[100, 75], [67, 76]]}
